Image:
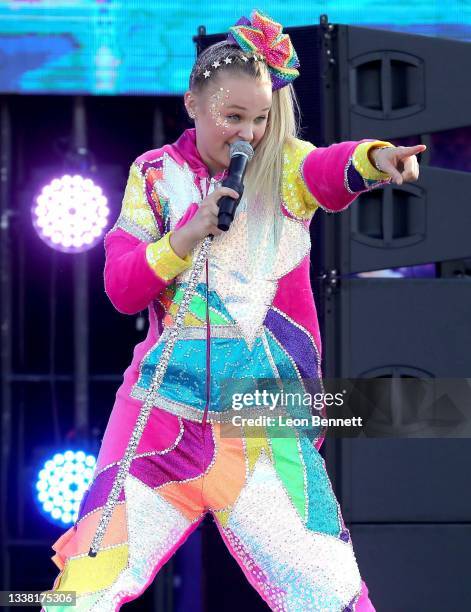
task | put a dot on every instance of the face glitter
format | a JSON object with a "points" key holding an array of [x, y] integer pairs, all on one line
{"points": [[216, 104]]}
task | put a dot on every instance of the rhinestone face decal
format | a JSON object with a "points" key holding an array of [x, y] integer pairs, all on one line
{"points": [[217, 102]]}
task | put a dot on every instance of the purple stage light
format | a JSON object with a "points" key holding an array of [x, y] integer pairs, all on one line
{"points": [[70, 214]]}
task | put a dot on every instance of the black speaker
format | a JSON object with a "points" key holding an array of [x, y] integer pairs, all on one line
{"points": [[405, 501]]}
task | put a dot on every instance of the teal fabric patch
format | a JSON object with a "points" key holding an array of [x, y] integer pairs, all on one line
{"points": [[185, 378], [165, 215], [323, 510]]}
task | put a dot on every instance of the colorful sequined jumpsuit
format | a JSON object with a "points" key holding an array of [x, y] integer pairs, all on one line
{"points": [[270, 496]]}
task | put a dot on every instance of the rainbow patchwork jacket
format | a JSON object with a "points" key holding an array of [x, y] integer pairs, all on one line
{"points": [[245, 321]]}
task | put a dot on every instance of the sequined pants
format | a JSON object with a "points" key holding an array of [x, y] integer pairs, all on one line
{"points": [[270, 497]]}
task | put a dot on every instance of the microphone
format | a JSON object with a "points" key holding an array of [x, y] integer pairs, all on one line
{"points": [[241, 152]]}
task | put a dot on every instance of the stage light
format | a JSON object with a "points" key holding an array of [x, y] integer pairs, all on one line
{"points": [[61, 484], [70, 214]]}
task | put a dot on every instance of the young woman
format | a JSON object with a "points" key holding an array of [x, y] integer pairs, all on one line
{"points": [[252, 316]]}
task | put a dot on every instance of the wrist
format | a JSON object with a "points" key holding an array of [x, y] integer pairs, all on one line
{"points": [[191, 234], [183, 240], [373, 157]]}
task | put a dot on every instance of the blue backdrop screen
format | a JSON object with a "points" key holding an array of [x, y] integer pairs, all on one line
{"points": [[145, 47]]}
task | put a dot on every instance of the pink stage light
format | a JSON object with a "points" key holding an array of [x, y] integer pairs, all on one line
{"points": [[70, 214]]}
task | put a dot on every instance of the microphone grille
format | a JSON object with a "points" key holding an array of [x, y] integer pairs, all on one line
{"points": [[242, 147]]}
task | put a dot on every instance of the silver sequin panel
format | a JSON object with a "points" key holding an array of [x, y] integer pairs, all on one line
{"points": [[316, 571]]}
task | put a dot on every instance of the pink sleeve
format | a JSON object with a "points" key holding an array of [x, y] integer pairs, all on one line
{"points": [[130, 282], [336, 175]]}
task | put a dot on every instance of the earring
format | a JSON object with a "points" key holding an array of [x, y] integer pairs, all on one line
{"points": [[191, 113]]}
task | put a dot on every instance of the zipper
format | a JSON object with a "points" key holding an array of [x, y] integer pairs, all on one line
{"points": [[208, 352], [208, 343]]}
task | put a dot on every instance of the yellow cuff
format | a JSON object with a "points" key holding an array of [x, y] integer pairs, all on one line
{"points": [[362, 163], [296, 196], [163, 259]]}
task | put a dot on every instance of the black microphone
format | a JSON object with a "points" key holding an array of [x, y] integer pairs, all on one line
{"points": [[241, 152]]}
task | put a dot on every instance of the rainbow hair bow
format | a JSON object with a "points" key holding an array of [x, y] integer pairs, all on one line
{"points": [[264, 36]]}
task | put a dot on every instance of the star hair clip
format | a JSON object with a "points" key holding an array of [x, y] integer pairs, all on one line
{"points": [[228, 60]]}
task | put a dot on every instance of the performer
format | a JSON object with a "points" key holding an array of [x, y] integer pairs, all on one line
{"points": [[252, 316]]}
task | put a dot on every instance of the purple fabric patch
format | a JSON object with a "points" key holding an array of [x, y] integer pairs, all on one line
{"points": [[191, 457], [97, 495], [345, 535], [354, 178], [295, 342]]}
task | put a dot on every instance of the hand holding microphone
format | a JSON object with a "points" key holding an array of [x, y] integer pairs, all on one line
{"points": [[216, 212], [202, 223]]}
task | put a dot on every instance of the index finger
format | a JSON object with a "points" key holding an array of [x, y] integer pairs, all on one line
{"points": [[408, 151]]}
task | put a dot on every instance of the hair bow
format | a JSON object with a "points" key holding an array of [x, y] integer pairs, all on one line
{"points": [[265, 36]]}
